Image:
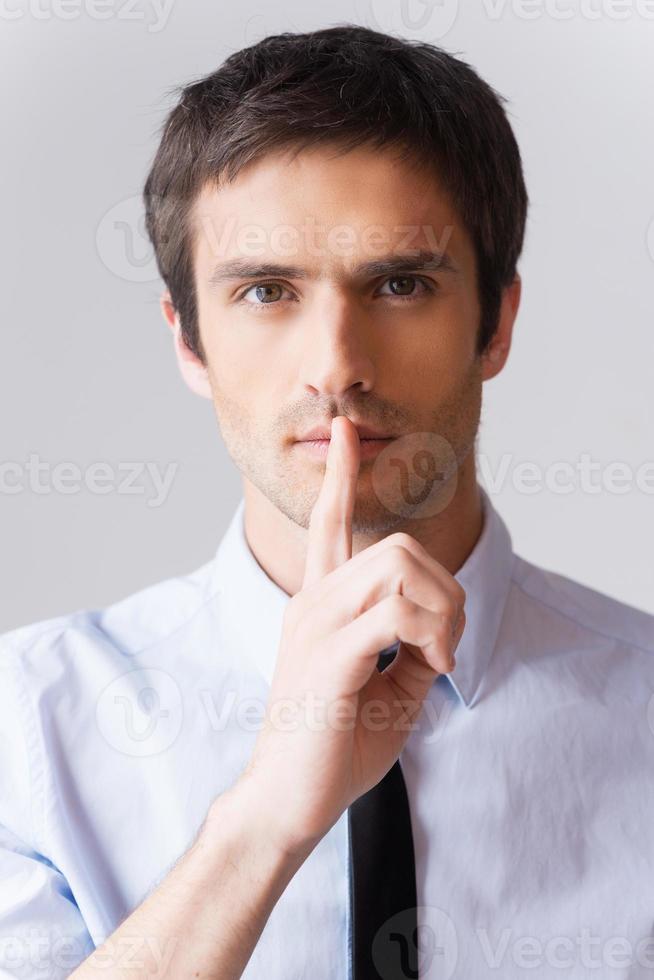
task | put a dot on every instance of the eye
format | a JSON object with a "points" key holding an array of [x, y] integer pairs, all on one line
{"points": [[269, 293], [426, 284], [263, 293]]}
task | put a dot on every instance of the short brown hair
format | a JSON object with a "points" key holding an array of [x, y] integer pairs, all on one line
{"points": [[345, 85]]}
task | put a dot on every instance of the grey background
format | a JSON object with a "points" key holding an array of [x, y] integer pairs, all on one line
{"points": [[88, 374]]}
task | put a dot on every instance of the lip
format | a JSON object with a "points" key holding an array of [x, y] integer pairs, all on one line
{"points": [[322, 432], [368, 448]]}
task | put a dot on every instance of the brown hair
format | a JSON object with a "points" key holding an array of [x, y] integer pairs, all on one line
{"points": [[344, 85]]}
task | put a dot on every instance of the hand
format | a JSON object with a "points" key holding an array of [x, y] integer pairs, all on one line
{"points": [[317, 750]]}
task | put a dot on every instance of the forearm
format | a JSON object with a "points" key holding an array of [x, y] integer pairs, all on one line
{"points": [[205, 918]]}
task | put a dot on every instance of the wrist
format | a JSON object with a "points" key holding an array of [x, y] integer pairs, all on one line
{"points": [[243, 814]]}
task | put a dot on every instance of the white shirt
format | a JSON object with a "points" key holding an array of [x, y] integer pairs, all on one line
{"points": [[530, 774]]}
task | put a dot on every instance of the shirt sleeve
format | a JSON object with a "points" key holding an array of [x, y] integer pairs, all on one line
{"points": [[42, 932]]}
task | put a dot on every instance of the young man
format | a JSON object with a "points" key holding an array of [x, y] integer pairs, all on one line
{"points": [[275, 767]]}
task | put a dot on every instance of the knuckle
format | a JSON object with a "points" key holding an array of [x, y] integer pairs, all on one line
{"points": [[448, 609], [399, 559], [453, 611], [403, 540], [443, 628], [460, 593]]}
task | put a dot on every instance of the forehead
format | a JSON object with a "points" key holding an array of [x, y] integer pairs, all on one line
{"points": [[328, 209]]}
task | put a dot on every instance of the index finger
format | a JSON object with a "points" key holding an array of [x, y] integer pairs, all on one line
{"points": [[329, 541]]}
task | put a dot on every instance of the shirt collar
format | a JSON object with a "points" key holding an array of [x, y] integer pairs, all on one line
{"points": [[252, 606]]}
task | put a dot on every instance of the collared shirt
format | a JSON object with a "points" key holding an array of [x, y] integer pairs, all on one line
{"points": [[530, 774]]}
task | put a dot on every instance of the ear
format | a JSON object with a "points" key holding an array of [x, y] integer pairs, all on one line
{"points": [[191, 367], [496, 353]]}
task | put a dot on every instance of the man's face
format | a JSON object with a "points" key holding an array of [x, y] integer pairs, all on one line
{"points": [[285, 352]]}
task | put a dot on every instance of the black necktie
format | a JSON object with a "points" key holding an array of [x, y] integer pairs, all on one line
{"points": [[383, 878]]}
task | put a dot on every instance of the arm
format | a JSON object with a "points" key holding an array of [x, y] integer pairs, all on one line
{"points": [[215, 902], [205, 918]]}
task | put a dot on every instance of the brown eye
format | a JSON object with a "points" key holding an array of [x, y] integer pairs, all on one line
{"points": [[404, 281], [263, 292], [403, 287]]}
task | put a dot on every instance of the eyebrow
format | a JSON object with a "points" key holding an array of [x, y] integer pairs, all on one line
{"points": [[392, 264]]}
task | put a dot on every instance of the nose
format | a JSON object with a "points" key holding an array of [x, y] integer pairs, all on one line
{"points": [[336, 352]]}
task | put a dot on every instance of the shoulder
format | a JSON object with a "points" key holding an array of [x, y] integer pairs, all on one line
{"points": [[53, 673], [585, 608], [130, 625]]}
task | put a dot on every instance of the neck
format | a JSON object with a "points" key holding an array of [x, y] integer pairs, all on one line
{"points": [[279, 544]]}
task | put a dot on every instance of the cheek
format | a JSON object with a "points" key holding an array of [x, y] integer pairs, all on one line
{"points": [[241, 356], [436, 370], [244, 385], [441, 346], [457, 327], [230, 367]]}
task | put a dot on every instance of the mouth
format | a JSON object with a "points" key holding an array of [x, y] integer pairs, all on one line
{"points": [[368, 447]]}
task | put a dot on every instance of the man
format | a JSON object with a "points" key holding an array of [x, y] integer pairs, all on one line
{"points": [[277, 766]]}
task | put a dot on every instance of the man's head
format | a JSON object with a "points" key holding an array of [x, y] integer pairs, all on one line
{"points": [[313, 160]]}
